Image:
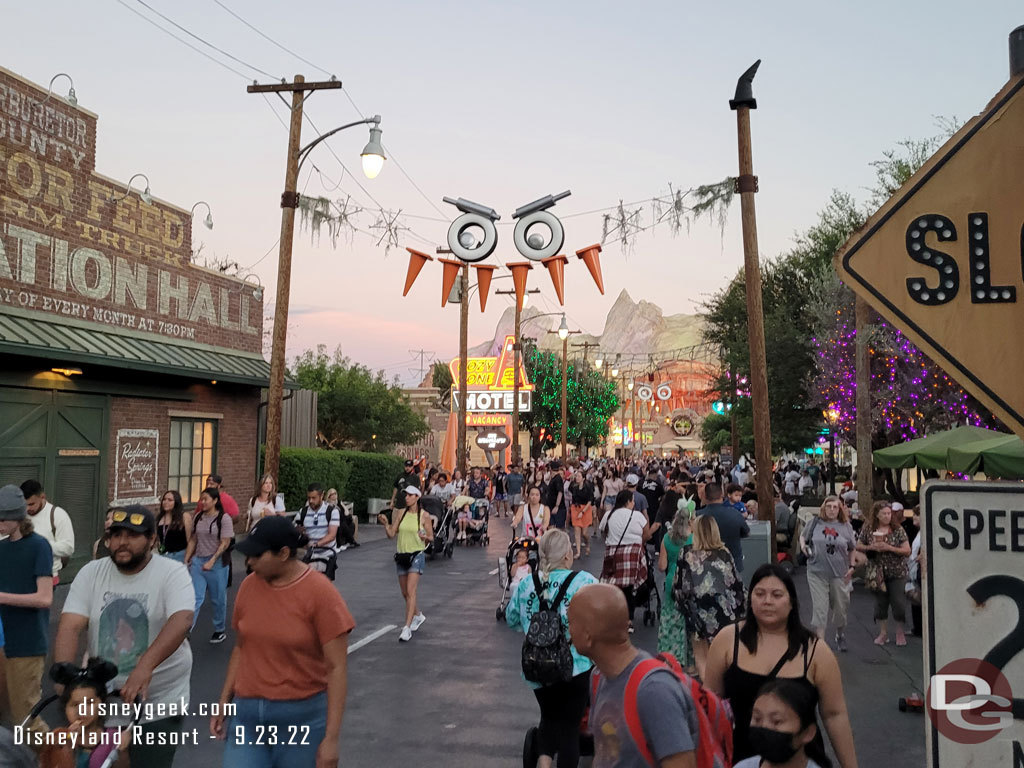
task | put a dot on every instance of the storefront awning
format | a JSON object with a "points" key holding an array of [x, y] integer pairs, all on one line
{"points": [[62, 344]]}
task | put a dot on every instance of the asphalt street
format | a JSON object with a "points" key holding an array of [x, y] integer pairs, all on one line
{"points": [[453, 696]]}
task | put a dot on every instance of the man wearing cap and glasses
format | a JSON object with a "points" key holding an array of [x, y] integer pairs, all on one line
{"points": [[26, 592], [136, 607], [408, 477]]}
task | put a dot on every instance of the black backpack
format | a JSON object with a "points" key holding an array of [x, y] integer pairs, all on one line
{"points": [[339, 537], [547, 657]]}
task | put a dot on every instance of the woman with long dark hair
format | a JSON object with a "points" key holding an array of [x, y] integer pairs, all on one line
{"points": [[211, 536], [887, 548], [771, 643], [173, 527], [532, 518], [625, 563]]}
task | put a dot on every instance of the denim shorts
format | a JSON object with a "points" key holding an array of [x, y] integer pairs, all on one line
{"points": [[419, 565], [273, 734]]}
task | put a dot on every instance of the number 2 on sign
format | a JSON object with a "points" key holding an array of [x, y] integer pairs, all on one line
{"points": [[1002, 653], [982, 291]]}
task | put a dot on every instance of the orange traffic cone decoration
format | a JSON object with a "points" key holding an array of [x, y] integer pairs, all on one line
{"points": [[520, 270], [592, 258], [556, 268], [451, 271], [416, 261], [484, 273]]}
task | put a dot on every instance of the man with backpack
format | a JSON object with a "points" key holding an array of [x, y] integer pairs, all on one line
{"points": [[320, 522], [52, 523], [644, 711]]}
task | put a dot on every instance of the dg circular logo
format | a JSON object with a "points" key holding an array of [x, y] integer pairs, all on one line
{"points": [[970, 701]]}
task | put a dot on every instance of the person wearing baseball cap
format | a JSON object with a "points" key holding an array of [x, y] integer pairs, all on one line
{"points": [[147, 597], [26, 593], [408, 477], [639, 500], [292, 629], [413, 529]]}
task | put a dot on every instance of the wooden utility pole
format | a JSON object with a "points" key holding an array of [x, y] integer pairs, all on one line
{"points": [[517, 350], [747, 187], [581, 449], [733, 431], [463, 366], [863, 404], [289, 202], [565, 389]]}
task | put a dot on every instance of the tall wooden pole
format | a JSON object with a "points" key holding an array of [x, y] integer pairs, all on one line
{"points": [[747, 184], [463, 366], [863, 403], [565, 386], [632, 424], [289, 202], [516, 348], [733, 431]]}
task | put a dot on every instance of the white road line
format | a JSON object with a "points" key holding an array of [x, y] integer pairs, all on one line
{"points": [[494, 572], [371, 637]]}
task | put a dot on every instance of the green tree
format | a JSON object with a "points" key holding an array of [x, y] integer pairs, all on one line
{"points": [[356, 408], [590, 400], [441, 378]]}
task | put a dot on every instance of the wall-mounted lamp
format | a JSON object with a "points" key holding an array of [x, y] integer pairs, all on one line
{"points": [[72, 99], [208, 221], [68, 371], [144, 195]]}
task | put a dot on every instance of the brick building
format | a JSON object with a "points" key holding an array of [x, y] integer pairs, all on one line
{"points": [[126, 369]]}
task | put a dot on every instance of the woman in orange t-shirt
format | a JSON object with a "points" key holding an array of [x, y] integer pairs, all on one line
{"points": [[288, 671]]}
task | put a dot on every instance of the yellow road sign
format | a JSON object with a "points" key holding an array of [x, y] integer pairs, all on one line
{"points": [[943, 258]]}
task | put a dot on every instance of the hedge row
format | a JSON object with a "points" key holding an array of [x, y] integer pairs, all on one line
{"points": [[358, 476]]}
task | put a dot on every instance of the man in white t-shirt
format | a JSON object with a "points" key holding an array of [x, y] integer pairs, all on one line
{"points": [[51, 522], [136, 607]]}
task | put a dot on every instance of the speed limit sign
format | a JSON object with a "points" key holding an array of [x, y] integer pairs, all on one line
{"points": [[664, 392]]}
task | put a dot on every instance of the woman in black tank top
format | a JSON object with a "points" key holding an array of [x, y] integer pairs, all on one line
{"points": [[173, 527], [772, 643]]}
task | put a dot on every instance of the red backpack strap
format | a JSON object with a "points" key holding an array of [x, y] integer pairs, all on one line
{"points": [[595, 679], [632, 711]]}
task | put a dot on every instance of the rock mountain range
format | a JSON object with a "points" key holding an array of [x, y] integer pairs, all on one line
{"points": [[635, 328]]}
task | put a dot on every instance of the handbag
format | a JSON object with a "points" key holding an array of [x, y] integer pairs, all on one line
{"points": [[608, 566], [874, 577], [404, 559]]}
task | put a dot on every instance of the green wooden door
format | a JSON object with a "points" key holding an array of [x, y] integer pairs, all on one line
{"points": [[61, 439]]}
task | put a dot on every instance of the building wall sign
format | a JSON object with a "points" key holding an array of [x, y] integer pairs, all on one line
{"points": [[493, 402], [493, 440], [135, 466], [492, 373], [74, 246]]}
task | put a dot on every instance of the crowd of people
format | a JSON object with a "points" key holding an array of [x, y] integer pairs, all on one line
{"points": [[136, 604]]}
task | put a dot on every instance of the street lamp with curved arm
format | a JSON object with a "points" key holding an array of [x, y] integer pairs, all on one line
{"points": [[208, 222], [372, 154], [71, 97]]}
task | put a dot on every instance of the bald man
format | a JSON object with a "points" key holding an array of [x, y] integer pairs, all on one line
{"points": [[599, 627]]}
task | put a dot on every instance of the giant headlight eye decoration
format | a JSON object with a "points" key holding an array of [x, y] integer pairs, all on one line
{"points": [[531, 220], [473, 237]]}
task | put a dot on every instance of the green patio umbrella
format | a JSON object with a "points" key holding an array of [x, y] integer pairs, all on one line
{"points": [[971, 457], [928, 452], [1005, 460]]}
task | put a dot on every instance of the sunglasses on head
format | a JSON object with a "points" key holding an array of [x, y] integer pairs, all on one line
{"points": [[135, 518]]}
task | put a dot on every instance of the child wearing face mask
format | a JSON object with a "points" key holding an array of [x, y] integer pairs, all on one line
{"points": [[783, 727]]}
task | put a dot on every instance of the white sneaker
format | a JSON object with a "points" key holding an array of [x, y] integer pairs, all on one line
{"points": [[406, 635], [417, 621], [343, 547]]}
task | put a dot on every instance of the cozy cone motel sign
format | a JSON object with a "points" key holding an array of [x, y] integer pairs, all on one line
{"points": [[490, 384], [942, 260]]}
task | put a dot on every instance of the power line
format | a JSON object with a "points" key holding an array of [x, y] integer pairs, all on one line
{"points": [[269, 39], [184, 42], [204, 42], [422, 354]]}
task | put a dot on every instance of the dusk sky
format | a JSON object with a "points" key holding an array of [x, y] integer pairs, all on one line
{"points": [[503, 103]]}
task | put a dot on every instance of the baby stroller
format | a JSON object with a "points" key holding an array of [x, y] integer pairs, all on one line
{"points": [[482, 512], [443, 522], [19, 756], [527, 545], [647, 593]]}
